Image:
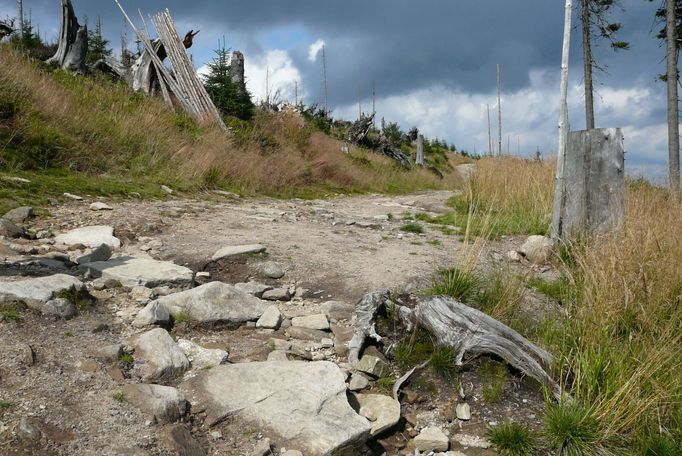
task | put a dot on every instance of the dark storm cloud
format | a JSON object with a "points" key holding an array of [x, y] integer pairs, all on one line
{"points": [[402, 45]]}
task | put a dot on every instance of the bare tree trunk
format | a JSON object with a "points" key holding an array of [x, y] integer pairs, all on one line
{"points": [[499, 113], [673, 107], [559, 191], [587, 63], [324, 70], [490, 134], [73, 42]]}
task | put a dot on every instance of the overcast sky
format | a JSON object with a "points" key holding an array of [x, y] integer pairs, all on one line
{"points": [[434, 62]]}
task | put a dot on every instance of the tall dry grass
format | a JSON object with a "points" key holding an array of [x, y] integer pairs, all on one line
{"points": [[619, 345], [98, 126]]}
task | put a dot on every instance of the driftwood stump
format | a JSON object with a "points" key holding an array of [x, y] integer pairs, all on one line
{"points": [[469, 331], [73, 42]]}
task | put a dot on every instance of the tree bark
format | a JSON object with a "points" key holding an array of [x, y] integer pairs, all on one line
{"points": [[673, 107], [73, 42], [588, 64]]}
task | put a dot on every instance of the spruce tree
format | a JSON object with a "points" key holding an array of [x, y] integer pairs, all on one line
{"points": [[98, 47], [228, 97]]}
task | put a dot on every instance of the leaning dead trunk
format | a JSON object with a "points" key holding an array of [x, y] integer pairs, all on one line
{"points": [[73, 42]]}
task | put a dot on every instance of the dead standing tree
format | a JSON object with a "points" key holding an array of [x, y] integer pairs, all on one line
{"points": [[73, 42]]}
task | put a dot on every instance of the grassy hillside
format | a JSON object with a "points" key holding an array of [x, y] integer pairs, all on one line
{"points": [[61, 130]]}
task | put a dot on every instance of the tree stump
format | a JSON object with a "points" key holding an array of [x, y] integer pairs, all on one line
{"points": [[73, 42]]}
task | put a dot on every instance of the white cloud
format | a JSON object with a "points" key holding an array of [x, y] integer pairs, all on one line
{"points": [[278, 69], [314, 49]]}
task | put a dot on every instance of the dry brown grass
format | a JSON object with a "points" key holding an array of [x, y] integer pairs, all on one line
{"points": [[102, 127]]}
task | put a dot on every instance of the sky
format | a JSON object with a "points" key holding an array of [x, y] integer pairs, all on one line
{"points": [[433, 63]]}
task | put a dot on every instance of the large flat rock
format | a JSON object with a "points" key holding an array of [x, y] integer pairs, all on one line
{"points": [[42, 293], [147, 272], [303, 404], [214, 302], [90, 236]]}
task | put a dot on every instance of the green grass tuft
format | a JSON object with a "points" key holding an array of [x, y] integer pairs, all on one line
{"points": [[385, 384], [571, 430], [120, 397], [494, 378], [456, 283], [513, 439], [412, 227], [126, 358], [10, 313], [443, 362]]}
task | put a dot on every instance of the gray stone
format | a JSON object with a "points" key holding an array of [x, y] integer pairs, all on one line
{"points": [[278, 355], [108, 353], [101, 253], [157, 357], [253, 288], [303, 403], [314, 335], [9, 229], [200, 357], [271, 318], [431, 439], [233, 250], [358, 382], [214, 302], [373, 365], [90, 236], [279, 344], [103, 284], [272, 270], [154, 313], [385, 409], [141, 294], [29, 429], [167, 189], [132, 271], [277, 294], [164, 403], [262, 448], [19, 214], [342, 335], [318, 321], [292, 453], [59, 307], [463, 412], [537, 249], [99, 206], [37, 293], [471, 441], [202, 277]]}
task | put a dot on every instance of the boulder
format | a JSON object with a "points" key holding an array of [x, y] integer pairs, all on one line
{"points": [[272, 270], [537, 249], [277, 294], [19, 214], [154, 313], [335, 310], [271, 318], [157, 357], [253, 288], [42, 293], [311, 322], [431, 439], [200, 357], [164, 403], [214, 302], [99, 206], [384, 409], [314, 335], [233, 250], [463, 412], [358, 382], [303, 404], [90, 236], [179, 440], [9, 229], [101, 253], [373, 365], [132, 271]]}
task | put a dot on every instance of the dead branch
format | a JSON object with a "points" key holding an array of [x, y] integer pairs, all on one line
{"points": [[73, 42]]}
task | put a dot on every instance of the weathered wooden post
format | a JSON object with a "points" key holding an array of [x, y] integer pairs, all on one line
{"points": [[420, 150], [594, 200], [73, 42], [237, 70]]}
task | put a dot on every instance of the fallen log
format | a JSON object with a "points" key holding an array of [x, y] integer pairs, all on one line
{"points": [[469, 331], [73, 42]]}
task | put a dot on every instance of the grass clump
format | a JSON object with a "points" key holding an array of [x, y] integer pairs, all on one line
{"points": [[513, 439], [120, 397], [385, 384], [5, 405], [126, 358], [444, 362], [182, 317], [412, 227], [494, 378], [456, 283], [10, 313], [559, 290], [572, 430]]}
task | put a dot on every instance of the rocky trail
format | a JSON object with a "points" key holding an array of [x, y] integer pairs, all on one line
{"points": [[219, 326]]}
